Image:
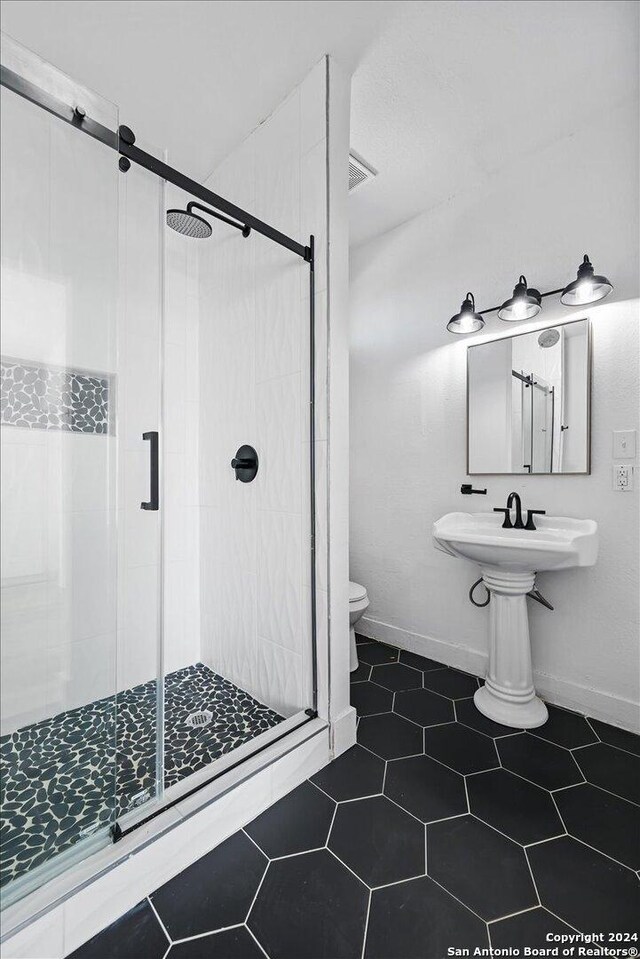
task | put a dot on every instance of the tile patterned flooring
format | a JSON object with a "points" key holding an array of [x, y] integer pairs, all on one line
{"points": [[439, 829], [76, 772]]}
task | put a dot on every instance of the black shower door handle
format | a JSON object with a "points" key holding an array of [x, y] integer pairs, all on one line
{"points": [[154, 484]]}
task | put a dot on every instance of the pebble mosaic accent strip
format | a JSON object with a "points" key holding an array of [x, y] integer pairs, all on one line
{"points": [[48, 398], [68, 776]]}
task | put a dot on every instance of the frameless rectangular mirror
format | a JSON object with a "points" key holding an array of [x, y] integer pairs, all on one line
{"points": [[528, 402]]}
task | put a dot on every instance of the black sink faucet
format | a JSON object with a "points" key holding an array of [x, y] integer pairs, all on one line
{"points": [[511, 499]]}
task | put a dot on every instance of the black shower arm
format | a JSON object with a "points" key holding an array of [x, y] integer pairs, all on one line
{"points": [[192, 205]]}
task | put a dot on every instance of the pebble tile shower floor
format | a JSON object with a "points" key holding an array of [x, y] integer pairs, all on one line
{"points": [[68, 774], [439, 829]]}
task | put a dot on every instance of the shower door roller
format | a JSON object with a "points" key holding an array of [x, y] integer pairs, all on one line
{"points": [[245, 463]]}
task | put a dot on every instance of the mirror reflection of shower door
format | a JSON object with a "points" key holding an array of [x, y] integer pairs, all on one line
{"points": [[542, 402], [80, 560], [536, 423]]}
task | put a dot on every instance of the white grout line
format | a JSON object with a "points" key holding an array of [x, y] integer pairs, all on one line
{"points": [[366, 925], [605, 854], [397, 804], [257, 942], [521, 912], [399, 882], [533, 879], [253, 901], [602, 790], [155, 912], [211, 932], [516, 842], [449, 893], [301, 852], [626, 752], [254, 841], [359, 878]]}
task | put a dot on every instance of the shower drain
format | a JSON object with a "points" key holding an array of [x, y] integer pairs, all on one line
{"points": [[202, 718]]}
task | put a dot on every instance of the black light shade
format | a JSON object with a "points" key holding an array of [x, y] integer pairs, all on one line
{"points": [[467, 320], [523, 305], [587, 288]]}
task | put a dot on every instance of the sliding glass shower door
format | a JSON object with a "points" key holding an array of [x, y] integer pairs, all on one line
{"points": [[80, 586]]}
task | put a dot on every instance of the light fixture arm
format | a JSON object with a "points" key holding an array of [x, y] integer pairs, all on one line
{"points": [[494, 309]]}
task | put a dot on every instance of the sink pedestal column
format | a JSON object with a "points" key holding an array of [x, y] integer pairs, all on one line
{"points": [[508, 695]]}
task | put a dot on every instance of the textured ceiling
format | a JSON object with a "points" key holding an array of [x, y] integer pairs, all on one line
{"points": [[194, 76], [446, 94], [452, 93]]}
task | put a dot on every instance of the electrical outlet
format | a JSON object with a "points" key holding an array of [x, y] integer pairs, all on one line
{"points": [[623, 477]]}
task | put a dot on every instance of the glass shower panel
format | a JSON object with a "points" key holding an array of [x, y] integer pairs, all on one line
{"points": [[71, 470]]}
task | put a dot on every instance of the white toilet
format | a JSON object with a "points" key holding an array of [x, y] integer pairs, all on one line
{"points": [[358, 604]]}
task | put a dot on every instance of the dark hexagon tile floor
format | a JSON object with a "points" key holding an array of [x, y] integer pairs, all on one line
{"points": [[585, 889], [425, 788], [424, 707], [565, 729], [515, 807], [527, 928], [611, 769], [418, 918], [620, 738], [376, 839], [469, 715], [418, 662], [298, 822], [390, 736], [216, 891], [236, 943], [480, 867], [355, 774], [542, 763], [310, 906], [451, 683], [461, 748], [318, 903], [395, 676], [601, 820], [369, 699], [361, 674]]}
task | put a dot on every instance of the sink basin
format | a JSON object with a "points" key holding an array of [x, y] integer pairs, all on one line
{"points": [[509, 560], [558, 542]]}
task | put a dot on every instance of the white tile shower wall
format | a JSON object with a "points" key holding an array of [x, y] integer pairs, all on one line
{"points": [[254, 387], [408, 401]]}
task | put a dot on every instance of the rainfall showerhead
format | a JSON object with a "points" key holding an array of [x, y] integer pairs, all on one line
{"points": [[548, 338], [188, 223]]}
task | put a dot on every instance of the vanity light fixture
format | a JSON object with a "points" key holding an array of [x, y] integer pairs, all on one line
{"points": [[467, 320], [587, 288], [526, 301], [523, 305]]}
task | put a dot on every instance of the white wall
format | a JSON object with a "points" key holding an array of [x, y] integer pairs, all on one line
{"points": [[254, 388], [408, 412]]}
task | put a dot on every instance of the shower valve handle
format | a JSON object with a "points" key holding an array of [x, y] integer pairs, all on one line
{"points": [[245, 463]]}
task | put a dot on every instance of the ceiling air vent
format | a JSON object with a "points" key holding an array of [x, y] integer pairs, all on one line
{"points": [[359, 172]]}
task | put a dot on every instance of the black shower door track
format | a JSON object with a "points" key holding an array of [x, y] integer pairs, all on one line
{"points": [[123, 142]]}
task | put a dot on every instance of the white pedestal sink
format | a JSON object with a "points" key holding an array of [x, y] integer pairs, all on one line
{"points": [[509, 560]]}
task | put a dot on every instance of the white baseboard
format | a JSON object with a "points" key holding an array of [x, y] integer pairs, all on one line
{"points": [[560, 692], [343, 731]]}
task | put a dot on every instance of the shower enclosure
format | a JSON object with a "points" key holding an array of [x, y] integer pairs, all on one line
{"points": [[158, 600]]}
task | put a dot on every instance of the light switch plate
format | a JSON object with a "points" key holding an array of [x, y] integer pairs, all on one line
{"points": [[624, 444]]}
